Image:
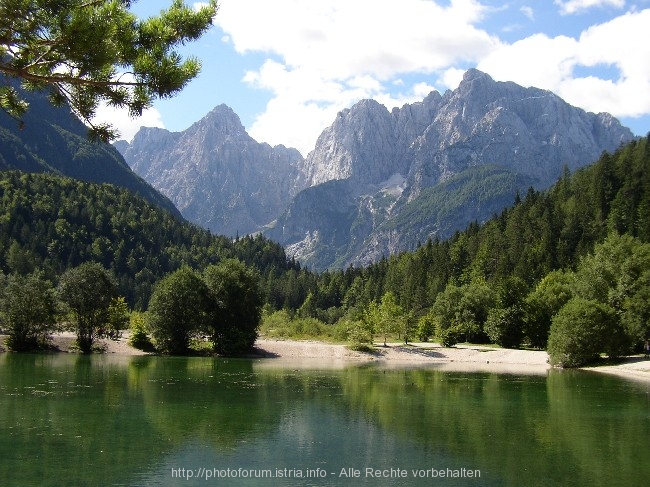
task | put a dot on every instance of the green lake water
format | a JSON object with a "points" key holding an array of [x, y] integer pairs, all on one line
{"points": [[69, 420]]}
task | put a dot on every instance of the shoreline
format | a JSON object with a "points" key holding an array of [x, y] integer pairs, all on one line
{"points": [[311, 353]]}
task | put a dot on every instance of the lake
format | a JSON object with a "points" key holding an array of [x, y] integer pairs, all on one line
{"points": [[107, 420]]}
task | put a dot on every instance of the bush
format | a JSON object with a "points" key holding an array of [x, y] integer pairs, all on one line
{"points": [[281, 324], [448, 337], [139, 337], [579, 332], [505, 326]]}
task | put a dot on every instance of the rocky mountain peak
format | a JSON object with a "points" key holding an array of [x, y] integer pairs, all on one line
{"points": [[418, 171], [224, 119], [377, 181], [216, 174], [359, 145]]}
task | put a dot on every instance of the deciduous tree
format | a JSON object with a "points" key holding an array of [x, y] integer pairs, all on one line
{"points": [[234, 307], [87, 291], [28, 310], [579, 332], [177, 310]]}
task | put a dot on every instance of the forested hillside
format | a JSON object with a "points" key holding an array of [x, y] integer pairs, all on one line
{"points": [[54, 223], [51, 139]]}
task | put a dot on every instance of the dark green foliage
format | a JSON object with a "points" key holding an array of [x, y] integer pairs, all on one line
{"points": [[234, 312], [55, 223], [580, 331], [27, 311], [464, 309], [504, 326], [224, 303], [87, 291], [552, 292], [177, 310]]}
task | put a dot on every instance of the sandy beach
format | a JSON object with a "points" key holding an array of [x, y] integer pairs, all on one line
{"points": [[397, 355], [309, 353]]}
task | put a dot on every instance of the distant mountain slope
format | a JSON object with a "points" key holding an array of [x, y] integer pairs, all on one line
{"points": [[216, 174], [405, 170], [53, 140]]}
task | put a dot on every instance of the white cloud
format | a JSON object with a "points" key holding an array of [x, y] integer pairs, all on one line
{"points": [[126, 125], [550, 63], [452, 77], [568, 7], [324, 56], [528, 12]]}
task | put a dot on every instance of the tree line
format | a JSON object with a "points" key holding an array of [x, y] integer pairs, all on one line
{"points": [[521, 278], [221, 305]]}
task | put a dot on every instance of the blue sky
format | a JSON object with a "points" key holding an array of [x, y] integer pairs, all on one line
{"points": [[287, 67]]}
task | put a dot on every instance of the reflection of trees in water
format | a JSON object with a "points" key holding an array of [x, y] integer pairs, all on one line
{"points": [[219, 402], [101, 420], [564, 429]]}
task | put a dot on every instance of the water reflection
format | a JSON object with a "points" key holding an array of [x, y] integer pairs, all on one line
{"points": [[105, 420]]}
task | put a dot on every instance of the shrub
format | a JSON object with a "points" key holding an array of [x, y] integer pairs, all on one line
{"points": [[579, 332], [139, 337], [448, 337]]}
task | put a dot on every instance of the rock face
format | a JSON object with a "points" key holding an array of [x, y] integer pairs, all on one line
{"points": [[216, 174], [381, 181], [378, 181]]}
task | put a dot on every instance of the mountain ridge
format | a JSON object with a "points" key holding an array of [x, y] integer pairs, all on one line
{"points": [[390, 160], [526, 135], [225, 181]]}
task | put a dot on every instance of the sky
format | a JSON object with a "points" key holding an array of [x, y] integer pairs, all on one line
{"points": [[287, 67]]}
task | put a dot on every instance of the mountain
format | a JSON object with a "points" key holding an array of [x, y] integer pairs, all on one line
{"points": [[52, 140], [216, 174], [377, 181], [380, 182]]}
